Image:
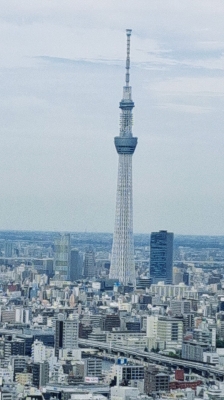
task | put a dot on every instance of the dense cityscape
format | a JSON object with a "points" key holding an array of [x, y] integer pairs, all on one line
{"points": [[102, 316], [68, 331]]}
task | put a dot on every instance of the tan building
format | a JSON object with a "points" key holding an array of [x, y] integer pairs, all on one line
{"points": [[23, 378]]}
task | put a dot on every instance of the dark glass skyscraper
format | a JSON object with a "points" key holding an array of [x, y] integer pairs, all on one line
{"points": [[76, 265], [161, 257]]}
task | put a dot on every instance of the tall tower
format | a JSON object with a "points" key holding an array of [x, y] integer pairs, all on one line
{"points": [[122, 261]]}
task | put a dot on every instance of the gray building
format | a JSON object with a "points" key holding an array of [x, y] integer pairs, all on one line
{"points": [[97, 335], [89, 263], [76, 265], [127, 373], [40, 374], [155, 380], [193, 350], [62, 254], [6, 394], [188, 321], [180, 307], [93, 367], [143, 283], [161, 257], [66, 333], [8, 249]]}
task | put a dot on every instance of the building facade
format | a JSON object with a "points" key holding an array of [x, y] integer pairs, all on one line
{"points": [[161, 257], [66, 333], [62, 253], [89, 265], [76, 265], [127, 373], [93, 367], [155, 380], [170, 331]]}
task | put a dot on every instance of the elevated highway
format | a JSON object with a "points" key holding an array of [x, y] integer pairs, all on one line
{"points": [[213, 371]]}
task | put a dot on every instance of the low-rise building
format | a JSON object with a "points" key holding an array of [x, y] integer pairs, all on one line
{"points": [[155, 380]]}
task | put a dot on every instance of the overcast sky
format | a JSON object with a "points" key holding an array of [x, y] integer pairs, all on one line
{"points": [[61, 78]]}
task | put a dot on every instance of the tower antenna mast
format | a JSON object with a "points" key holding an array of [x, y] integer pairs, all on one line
{"points": [[128, 33]]}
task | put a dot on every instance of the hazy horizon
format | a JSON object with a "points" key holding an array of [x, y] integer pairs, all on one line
{"points": [[100, 233]]}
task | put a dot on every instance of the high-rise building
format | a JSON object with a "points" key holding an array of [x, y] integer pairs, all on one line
{"points": [[151, 327], [66, 333], [161, 257], [122, 261], [62, 253], [38, 351], [40, 373], [8, 249], [76, 265], [89, 263]]}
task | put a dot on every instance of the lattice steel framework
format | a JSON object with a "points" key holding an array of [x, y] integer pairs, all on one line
{"points": [[122, 261]]}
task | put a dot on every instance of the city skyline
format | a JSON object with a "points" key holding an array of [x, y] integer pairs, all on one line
{"points": [[58, 59]]}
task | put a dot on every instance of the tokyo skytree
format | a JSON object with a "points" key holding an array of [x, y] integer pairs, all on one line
{"points": [[122, 259]]}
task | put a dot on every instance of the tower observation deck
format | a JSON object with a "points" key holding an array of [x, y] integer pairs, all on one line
{"points": [[122, 260]]}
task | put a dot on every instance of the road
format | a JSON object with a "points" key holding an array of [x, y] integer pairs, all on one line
{"points": [[155, 357]]}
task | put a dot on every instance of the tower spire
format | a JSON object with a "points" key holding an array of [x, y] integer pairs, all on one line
{"points": [[127, 79]]}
